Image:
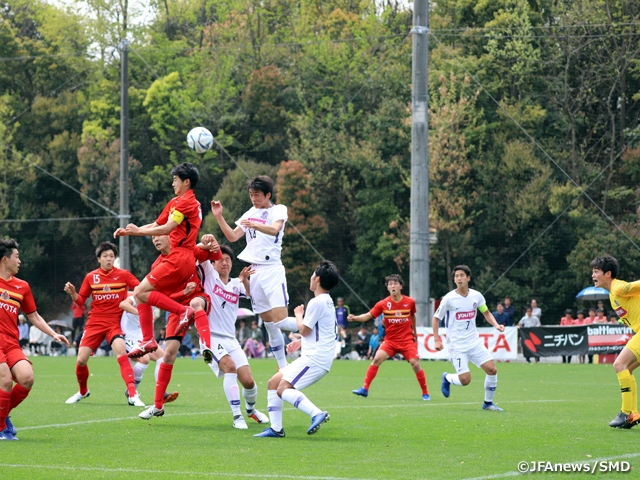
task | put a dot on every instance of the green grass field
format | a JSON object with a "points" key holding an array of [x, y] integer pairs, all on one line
{"points": [[553, 412]]}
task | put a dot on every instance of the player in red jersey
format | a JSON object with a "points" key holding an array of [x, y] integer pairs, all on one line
{"points": [[400, 333], [192, 294], [15, 295], [107, 286], [180, 219]]}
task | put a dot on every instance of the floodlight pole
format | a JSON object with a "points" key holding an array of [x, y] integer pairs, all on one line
{"points": [[419, 234], [125, 252]]}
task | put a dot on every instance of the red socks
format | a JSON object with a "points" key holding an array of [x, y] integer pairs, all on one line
{"points": [[18, 394], [202, 325], [146, 321], [5, 402], [422, 380], [127, 374], [371, 374], [164, 377], [163, 302], [82, 374]]}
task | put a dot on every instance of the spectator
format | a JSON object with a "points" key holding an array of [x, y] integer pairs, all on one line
{"points": [[342, 312], [58, 348], [362, 342], [374, 343], [528, 321], [23, 330], [243, 333], [501, 316], [591, 318], [254, 346], [613, 318], [38, 341], [567, 321], [344, 341], [600, 318], [601, 305], [78, 312], [535, 310], [580, 320], [187, 348], [510, 310]]}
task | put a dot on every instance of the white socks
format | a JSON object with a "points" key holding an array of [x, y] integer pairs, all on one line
{"points": [[490, 385], [138, 371], [453, 379], [250, 397], [277, 343], [231, 390], [275, 409], [300, 401], [289, 324]]}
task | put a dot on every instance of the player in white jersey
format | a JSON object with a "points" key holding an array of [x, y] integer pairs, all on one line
{"points": [[230, 362], [458, 309], [319, 333], [263, 227], [130, 326]]}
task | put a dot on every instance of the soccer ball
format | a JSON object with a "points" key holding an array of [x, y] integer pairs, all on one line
{"points": [[200, 139]]}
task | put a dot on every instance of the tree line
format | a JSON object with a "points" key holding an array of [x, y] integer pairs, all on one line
{"points": [[533, 124]]}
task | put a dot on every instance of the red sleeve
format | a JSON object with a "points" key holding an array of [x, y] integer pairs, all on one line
{"points": [[377, 309], [201, 254], [84, 292], [215, 255], [28, 304], [132, 281], [187, 205], [164, 216]]}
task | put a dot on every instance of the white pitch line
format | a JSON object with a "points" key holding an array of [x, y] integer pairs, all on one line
{"points": [[173, 472], [515, 473], [358, 407]]}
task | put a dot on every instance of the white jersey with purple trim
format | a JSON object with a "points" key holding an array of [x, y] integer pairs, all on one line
{"points": [[459, 315], [130, 326], [263, 249], [224, 300], [319, 346]]}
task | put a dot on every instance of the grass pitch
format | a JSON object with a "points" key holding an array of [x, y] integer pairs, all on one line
{"points": [[553, 412]]}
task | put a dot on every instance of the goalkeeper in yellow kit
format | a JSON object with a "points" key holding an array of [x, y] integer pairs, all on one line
{"points": [[625, 301]]}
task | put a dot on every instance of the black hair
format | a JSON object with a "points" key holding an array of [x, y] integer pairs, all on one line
{"points": [[7, 246], [186, 170], [579, 312], [105, 247], [569, 311], [606, 263], [464, 268], [328, 274], [394, 277], [261, 183], [226, 250]]}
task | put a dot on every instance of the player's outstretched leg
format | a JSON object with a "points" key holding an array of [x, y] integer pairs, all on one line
{"points": [[275, 416], [277, 344], [490, 385], [302, 403]]}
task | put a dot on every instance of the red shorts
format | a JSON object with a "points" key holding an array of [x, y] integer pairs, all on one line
{"points": [[408, 350], [174, 320], [11, 351], [94, 333], [174, 271]]}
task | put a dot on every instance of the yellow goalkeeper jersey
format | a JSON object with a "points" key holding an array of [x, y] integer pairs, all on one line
{"points": [[625, 300]]}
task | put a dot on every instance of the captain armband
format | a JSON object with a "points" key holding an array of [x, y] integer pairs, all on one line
{"points": [[483, 308]]}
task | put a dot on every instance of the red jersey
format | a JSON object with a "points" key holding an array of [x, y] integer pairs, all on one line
{"points": [[398, 318], [186, 212], [15, 295], [108, 289]]}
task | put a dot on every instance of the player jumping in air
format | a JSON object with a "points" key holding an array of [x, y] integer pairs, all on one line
{"points": [[625, 301], [180, 219], [263, 227], [400, 333], [319, 331], [459, 309], [15, 295]]}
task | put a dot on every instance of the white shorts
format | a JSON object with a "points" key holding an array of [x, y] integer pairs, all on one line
{"points": [[268, 288], [477, 354], [131, 339], [302, 373], [222, 346]]}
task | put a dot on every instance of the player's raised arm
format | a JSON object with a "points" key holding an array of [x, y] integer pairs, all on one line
{"points": [[365, 317], [244, 278], [231, 234]]}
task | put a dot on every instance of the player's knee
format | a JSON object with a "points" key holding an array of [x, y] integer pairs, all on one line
{"points": [[273, 384], [6, 384], [197, 304], [282, 387], [81, 362], [26, 381], [492, 371], [465, 381]]}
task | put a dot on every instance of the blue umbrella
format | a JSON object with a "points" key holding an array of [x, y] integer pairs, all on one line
{"points": [[593, 293]]}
